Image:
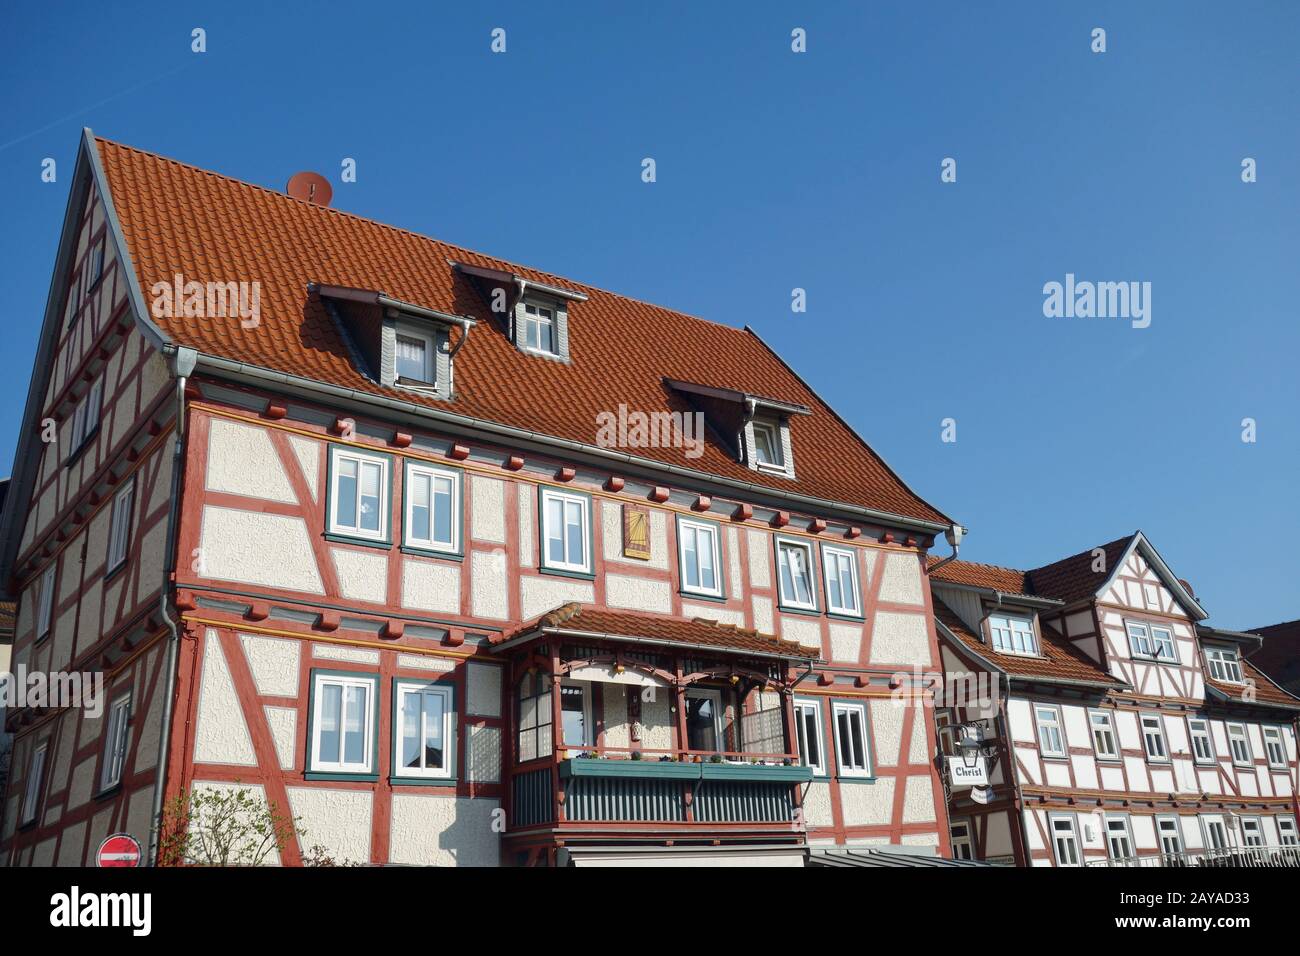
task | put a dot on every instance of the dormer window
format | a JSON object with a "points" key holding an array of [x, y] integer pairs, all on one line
{"points": [[415, 358], [1013, 634], [767, 445], [1223, 664], [537, 328]]}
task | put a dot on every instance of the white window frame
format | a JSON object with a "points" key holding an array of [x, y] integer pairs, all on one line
{"points": [[1214, 827], [535, 319], [1166, 649], [851, 711], [86, 417], [1058, 722], [339, 454], [1258, 824], [45, 600], [415, 470], [1009, 633], [315, 763], [1151, 596], [791, 601], [802, 708], [430, 343], [1273, 738], [1071, 831], [32, 788], [116, 739], [713, 694], [401, 689], [544, 523], [1159, 731], [773, 432], [715, 555], [588, 723], [1162, 835], [1242, 736], [1108, 719], [961, 839], [851, 556], [1124, 833], [1193, 735], [1224, 664], [1287, 835], [119, 532]]}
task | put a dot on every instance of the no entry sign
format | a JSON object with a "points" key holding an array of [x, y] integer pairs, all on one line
{"points": [[121, 849]]}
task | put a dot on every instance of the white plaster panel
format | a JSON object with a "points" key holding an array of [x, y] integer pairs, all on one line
{"points": [[308, 453], [256, 792], [763, 614], [902, 579], [918, 799], [283, 722], [257, 548], [656, 723], [733, 564], [817, 805], [714, 612], [338, 820], [72, 847], [640, 594], [886, 730], [611, 524], [220, 734], [900, 638], [437, 830], [806, 631], [483, 690], [846, 641], [273, 662], [431, 585], [426, 663], [363, 575], [760, 558], [537, 595], [489, 589], [488, 509], [527, 538], [243, 461], [340, 652], [868, 804]]}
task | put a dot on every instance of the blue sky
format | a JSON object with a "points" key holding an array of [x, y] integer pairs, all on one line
{"points": [[818, 170]]}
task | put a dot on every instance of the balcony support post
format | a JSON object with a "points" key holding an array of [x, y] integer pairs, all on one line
{"points": [[557, 731]]}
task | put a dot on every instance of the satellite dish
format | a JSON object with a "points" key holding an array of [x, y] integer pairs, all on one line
{"points": [[310, 187]]}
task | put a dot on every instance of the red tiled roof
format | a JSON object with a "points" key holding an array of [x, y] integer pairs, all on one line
{"points": [[1259, 683], [698, 632], [1060, 661], [206, 227], [1072, 579], [973, 574]]}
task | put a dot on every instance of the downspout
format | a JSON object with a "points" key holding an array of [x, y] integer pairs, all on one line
{"points": [[183, 362], [953, 535]]}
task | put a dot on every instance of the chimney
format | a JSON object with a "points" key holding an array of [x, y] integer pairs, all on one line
{"points": [[310, 187]]}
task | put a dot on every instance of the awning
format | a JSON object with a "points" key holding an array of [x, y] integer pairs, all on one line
{"points": [[746, 856], [883, 857]]}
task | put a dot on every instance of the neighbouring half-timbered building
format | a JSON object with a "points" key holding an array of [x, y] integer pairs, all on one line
{"points": [[452, 560], [1116, 727]]}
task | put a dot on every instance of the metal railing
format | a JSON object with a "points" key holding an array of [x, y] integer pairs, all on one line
{"points": [[1253, 856]]}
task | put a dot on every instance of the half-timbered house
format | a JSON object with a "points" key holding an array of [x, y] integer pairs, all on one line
{"points": [[336, 510], [1114, 725]]}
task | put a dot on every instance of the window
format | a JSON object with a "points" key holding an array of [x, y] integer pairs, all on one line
{"points": [[537, 330], [1239, 744], [95, 267], [432, 508], [32, 789], [768, 450], [1171, 837], [1286, 832], [45, 600], [1216, 835], [808, 728], [1162, 639], [119, 534], [359, 493], [85, 420], [343, 723], [575, 715], [415, 358], [704, 720], [1223, 664], [794, 567], [698, 544], [961, 841], [1202, 742], [119, 719], [1139, 640], [1153, 736], [1252, 832], [840, 571], [1119, 841], [426, 734], [1274, 749], [851, 739], [534, 716], [1051, 742], [1152, 595], [1012, 634], [566, 531], [1065, 842], [1104, 741]]}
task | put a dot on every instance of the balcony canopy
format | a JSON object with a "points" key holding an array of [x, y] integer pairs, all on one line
{"points": [[585, 623]]}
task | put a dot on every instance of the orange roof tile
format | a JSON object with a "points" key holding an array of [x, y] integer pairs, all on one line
{"points": [[583, 619], [180, 219], [1259, 683], [973, 574], [1072, 579]]}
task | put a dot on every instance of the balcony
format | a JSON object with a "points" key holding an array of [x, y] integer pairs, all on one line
{"points": [[649, 729], [1248, 856]]}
